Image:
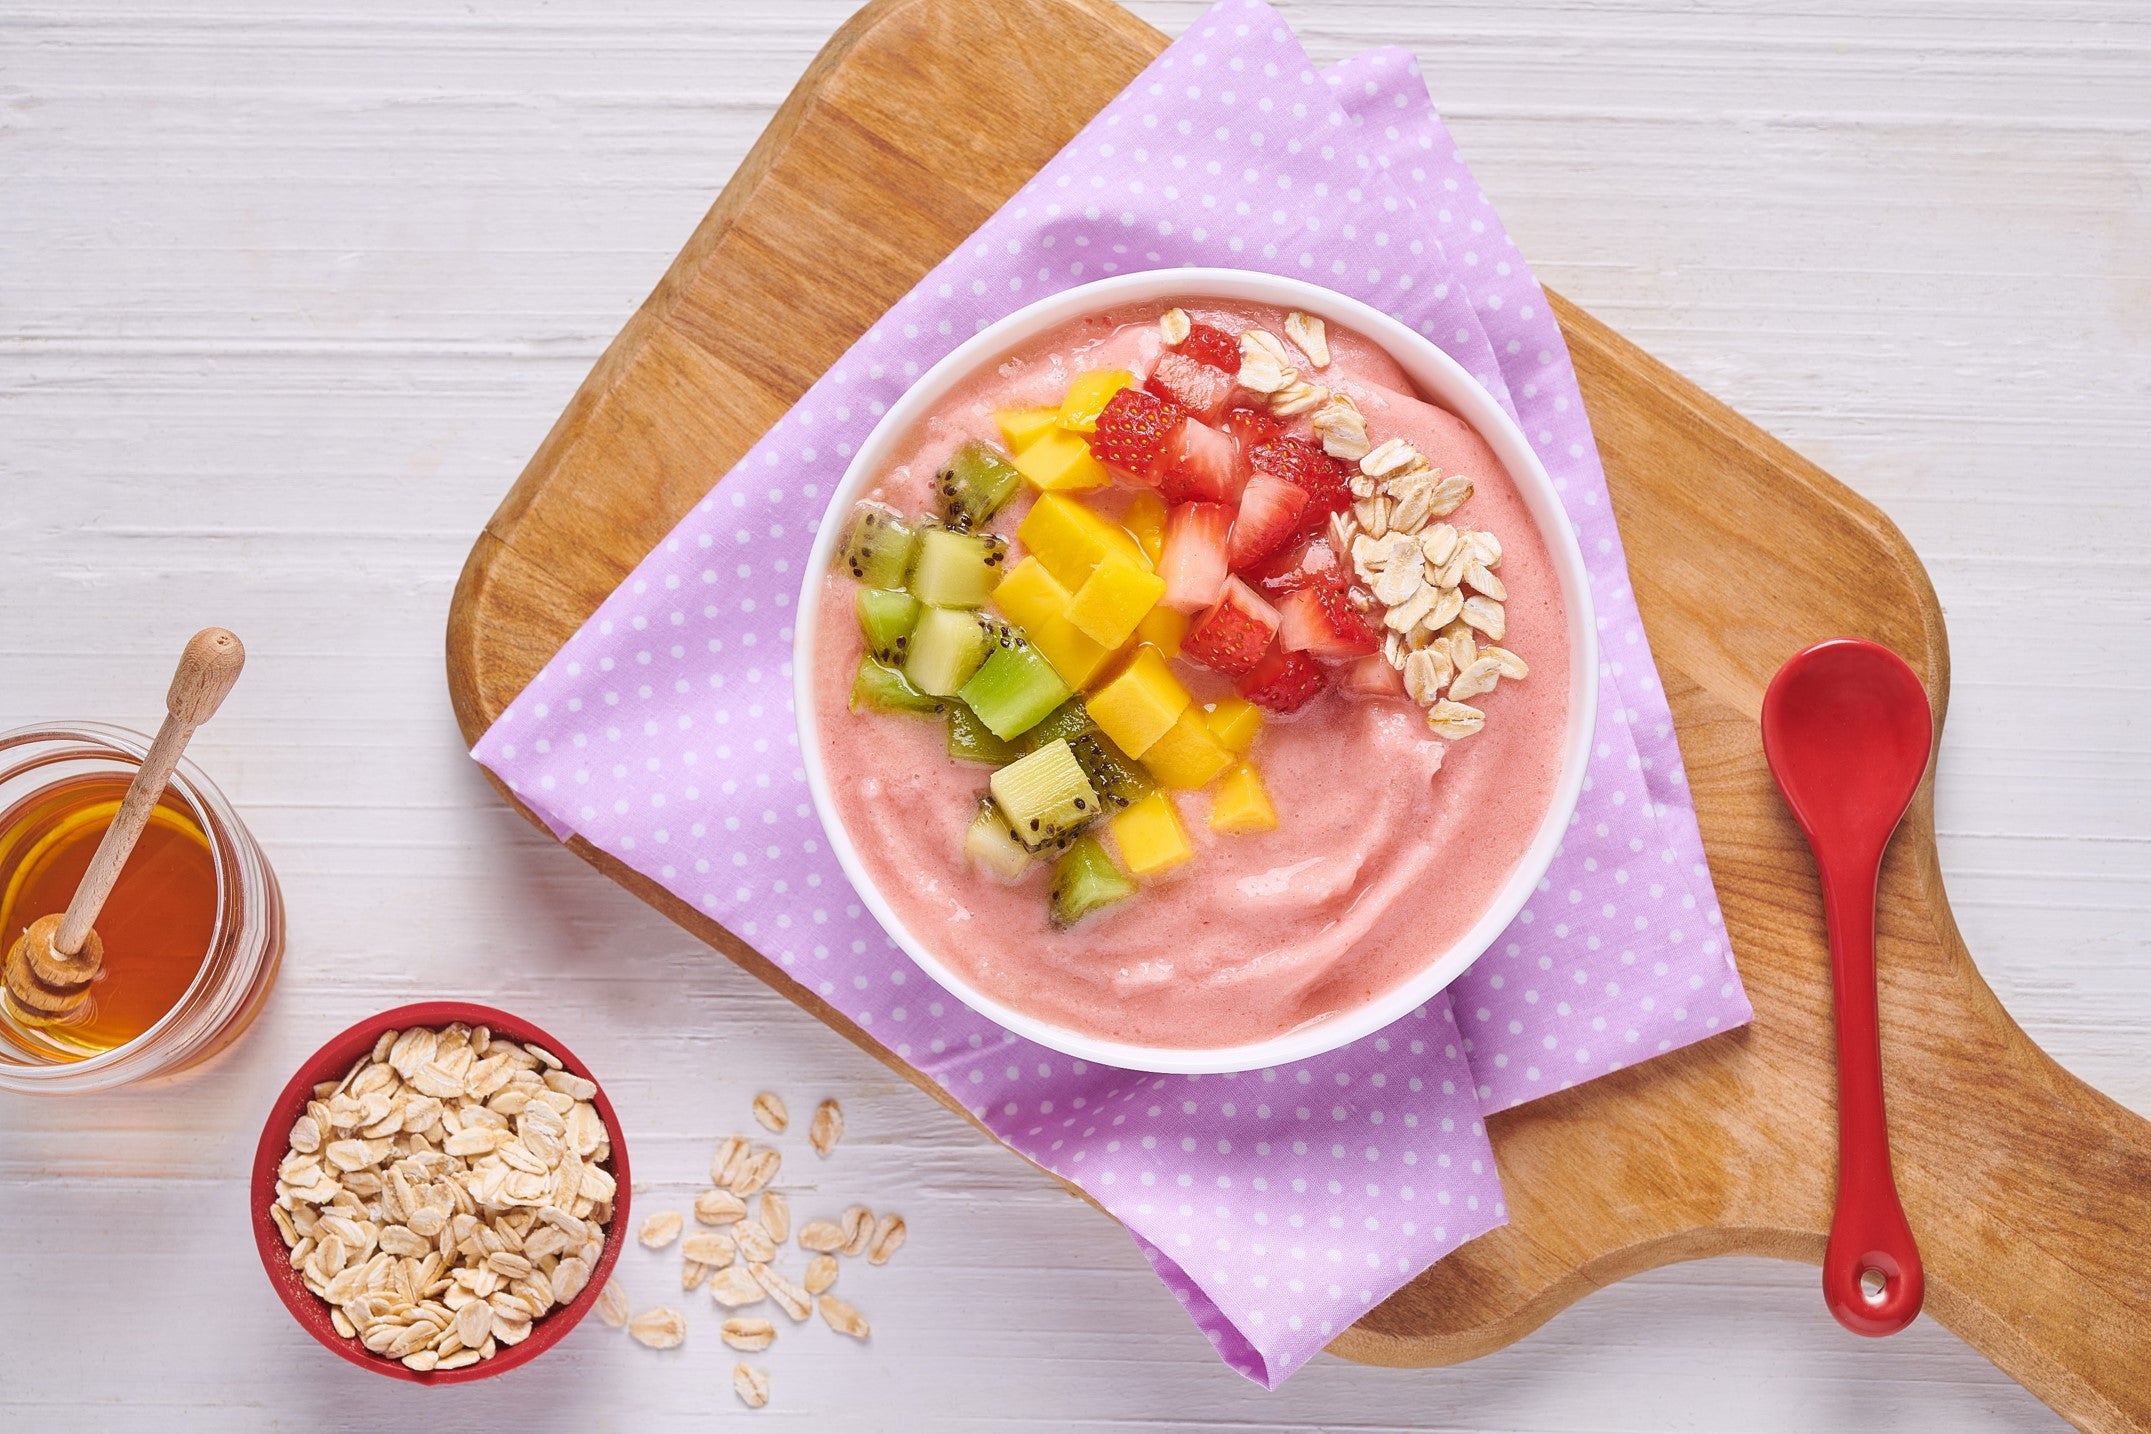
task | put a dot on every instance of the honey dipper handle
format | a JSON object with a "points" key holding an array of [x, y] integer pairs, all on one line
{"points": [[207, 670]]}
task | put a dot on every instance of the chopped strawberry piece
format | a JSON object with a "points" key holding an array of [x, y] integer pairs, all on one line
{"points": [[1284, 681], [1325, 480], [1132, 431], [1269, 516], [1199, 465], [1321, 620], [1372, 676], [1293, 566], [1213, 346], [1193, 559], [1252, 426], [1196, 387], [1234, 634]]}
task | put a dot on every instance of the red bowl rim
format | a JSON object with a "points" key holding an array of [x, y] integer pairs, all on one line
{"points": [[335, 1057]]}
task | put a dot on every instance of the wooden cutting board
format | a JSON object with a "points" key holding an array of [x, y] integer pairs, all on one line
{"points": [[2029, 1191]]}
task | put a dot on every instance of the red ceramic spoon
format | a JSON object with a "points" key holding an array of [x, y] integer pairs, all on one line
{"points": [[1846, 729]]}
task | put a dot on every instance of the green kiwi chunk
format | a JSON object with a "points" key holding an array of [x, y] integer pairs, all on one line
{"points": [[1016, 687], [879, 548], [953, 569], [1064, 723], [1085, 879], [1119, 779], [991, 847], [886, 619], [974, 484], [1044, 796], [878, 687], [947, 646], [971, 740]]}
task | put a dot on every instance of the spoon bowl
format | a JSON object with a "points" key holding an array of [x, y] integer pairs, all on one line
{"points": [[1847, 732]]}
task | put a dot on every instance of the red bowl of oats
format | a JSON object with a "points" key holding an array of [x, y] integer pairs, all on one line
{"points": [[439, 1193]]}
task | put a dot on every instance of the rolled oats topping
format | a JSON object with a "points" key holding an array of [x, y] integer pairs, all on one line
{"points": [[1310, 335], [1297, 397], [447, 1193], [1454, 721], [1174, 326], [1341, 428], [1264, 365]]}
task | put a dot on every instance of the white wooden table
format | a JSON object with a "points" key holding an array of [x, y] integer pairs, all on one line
{"points": [[289, 291]]}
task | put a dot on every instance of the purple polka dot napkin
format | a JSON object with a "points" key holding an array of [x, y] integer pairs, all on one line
{"points": [[1278, 1205]]}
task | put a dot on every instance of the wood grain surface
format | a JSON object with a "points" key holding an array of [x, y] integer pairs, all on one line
{"points": [[1742, 553], [290, 294]]}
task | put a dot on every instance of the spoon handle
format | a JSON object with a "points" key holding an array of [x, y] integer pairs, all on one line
{"points": [[1868, 1235]]}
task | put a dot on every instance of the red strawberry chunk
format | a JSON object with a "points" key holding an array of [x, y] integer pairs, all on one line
{"points": [[1293, 566], [1196, 387], [1252, 426], [1325, 480], [1199, 465], [1269, 516], [1372, 676], [1192, 561], [1213, 346], [1321, 620], [1132, 431], [1284, 681], [1234, 634]]}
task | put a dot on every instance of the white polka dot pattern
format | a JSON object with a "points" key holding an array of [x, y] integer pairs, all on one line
{"points": [[1279, 1205]]}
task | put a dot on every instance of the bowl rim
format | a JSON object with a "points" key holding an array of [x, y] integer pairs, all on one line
{"points": [[1436, 376], [336, 1055]]}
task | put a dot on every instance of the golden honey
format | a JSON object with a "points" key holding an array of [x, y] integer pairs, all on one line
{"points": [[156, 926]]}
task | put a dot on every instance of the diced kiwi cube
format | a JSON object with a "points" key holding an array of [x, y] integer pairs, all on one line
{"points": [[955, 569], [1064, 723], [1045, 795], [879, 548], [1015, 688], [991, 847], [1119, 779], [971, 740], [878, 687], [947, 646], [1085, 879], [886, 618], [973, 485]]}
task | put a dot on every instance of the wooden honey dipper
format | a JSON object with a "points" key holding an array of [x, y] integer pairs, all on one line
{"points": [[49, 970]]}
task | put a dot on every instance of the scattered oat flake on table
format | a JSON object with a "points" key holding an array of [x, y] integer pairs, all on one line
{"points": [[857, 1223], [751, 1384], [659, 1328], [755, 1171], [790, 1298], [693, 1273], [821, 1274], [825, 1236], [725, 1163], [749, 1334], [710, 1247], [661, 1229], [735, 1286], [888, 1238], [839, 1315], [769, 1110], [719, 1207], [827, 1127]]}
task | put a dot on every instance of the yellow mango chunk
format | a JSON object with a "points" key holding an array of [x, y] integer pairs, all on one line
{"points": [[1140, 704], [1113, 599], [1242, 803], [1059, 462], [1021, 427], [1060, 642], [1235, 722], [1088, 396], [1151, 839], [1145, 518], [1185, 756], [1029, 595], [1164, 628], [1071, 539]]}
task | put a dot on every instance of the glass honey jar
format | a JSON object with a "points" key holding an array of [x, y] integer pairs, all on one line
{"points": [[193, 931]]}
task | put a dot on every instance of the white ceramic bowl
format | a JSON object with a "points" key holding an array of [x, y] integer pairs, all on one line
{"points": [[1437, 377]]}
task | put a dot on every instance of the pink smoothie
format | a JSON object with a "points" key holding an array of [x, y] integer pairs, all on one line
{"points": [[1390, 843]]}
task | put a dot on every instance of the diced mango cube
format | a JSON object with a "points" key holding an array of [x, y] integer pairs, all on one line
{"points": [[1071, 539], [1113, 599], [1140, 704], [1029, 595], [1242, 803], [1235, 722], [1145, 518], [1060, 642], [1152, 841], [1059, 461], [1088, 396], [1021, 427], [1185, 756], [1164, 628]]}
